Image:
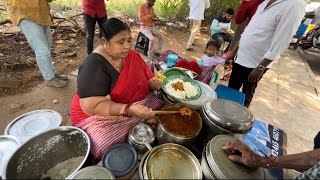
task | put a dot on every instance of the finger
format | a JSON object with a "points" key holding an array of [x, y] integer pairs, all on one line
{"points": [[236, 158]]}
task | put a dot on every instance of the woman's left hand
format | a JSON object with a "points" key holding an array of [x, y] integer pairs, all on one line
{"points": [[152, 123]]}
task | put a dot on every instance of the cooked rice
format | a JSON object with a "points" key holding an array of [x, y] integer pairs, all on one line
{"points": [[189, 89]]}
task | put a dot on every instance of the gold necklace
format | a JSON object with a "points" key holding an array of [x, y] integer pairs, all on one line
{"points": [[112, 61]]}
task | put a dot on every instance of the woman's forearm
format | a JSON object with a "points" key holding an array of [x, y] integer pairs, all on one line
{"points": [[101, 107], [300, 162]]}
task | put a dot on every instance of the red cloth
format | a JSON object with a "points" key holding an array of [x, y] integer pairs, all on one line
{"points": [[133, 82], [94, 7], [193, 65], [132, 86], [247, 9]]}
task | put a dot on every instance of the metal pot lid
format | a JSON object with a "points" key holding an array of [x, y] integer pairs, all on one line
{"points": [[33, 123], [141, 134], [224, 168], [229, 114], [120, 159], [207, 95], [93, 172], [8, 145], [172, 161]]}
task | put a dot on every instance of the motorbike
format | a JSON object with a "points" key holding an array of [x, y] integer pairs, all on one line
{"points": [[311, 39]]}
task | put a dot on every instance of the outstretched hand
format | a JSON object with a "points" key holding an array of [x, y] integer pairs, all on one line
{"points": [[246, 157]]}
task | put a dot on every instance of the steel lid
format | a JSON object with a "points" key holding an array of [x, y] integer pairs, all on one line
{"points": [[93, 172], [229, 115], [33, 123], [8, 145], [120, 159], [223, 167], [207, 95], [141, 134]]}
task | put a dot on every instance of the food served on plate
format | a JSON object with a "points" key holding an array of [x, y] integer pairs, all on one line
{"points": [[181, 89]]}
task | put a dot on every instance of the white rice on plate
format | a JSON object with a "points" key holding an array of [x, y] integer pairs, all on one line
{"points": [[189, 89]]}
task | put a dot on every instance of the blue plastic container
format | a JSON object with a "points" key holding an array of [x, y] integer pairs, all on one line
{"points": [[301, 30], [224, 92], [172, 60], [120, 159]]}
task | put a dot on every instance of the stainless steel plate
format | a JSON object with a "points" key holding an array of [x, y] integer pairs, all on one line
{"points": [[172, 161], [33, 123], [8, 145], [207, 95], [224, 168]]}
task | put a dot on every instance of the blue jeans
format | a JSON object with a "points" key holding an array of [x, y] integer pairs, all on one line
{"points": [[40, 39]]}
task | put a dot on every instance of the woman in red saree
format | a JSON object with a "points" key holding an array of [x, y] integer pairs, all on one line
{"points": [[114, 90]]}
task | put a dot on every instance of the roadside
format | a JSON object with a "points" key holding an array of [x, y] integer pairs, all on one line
{"points": [[286, 97]]}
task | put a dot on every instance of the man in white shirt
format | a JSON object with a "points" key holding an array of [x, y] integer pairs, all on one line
{"points": [[196, 15], [265, 38]]}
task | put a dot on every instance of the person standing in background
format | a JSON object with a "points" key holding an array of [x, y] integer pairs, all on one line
{"points": [[34, 19], [245, 12], [196, 15], [147, 18], [93, 11], [265, 38]]}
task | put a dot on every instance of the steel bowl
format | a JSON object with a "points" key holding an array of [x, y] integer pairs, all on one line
{"points": [[171, 161], [165, 136], [39, 154]]}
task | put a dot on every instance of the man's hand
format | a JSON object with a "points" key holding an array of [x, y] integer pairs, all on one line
{"points": [[247, 157], [255, 75], [225, 29]]}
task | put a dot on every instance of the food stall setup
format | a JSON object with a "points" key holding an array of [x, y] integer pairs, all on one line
{"points": [[195, 123]]}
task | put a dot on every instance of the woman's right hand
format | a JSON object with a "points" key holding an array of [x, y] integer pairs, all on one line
{"points": [[140, 111]]}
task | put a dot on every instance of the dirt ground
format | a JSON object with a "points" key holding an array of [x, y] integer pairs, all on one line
{"points": [[286, 97]]}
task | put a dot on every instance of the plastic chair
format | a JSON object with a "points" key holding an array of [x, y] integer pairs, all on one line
{"points": [[224, 92], [142, 44]]}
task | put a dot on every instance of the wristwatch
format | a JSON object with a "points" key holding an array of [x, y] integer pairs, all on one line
{"points": [[261, 67]]}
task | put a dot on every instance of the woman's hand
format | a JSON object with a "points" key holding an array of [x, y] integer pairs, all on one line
{"points": [[152, 123], [140, 111], [246, 156]]}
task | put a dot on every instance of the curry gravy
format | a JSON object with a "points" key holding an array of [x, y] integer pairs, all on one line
{"points": [[180, 125]]}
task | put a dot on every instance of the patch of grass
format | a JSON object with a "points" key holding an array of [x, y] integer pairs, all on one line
{"points": [[127, 7], [69, 3]]}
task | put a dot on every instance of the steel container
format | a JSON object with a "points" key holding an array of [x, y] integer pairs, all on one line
{"points": [[93, 172], [226, 117], [165, 136], [141, 136], [141, 164], [222, 167], [207, 172], [171, 161], [39, 154]]}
